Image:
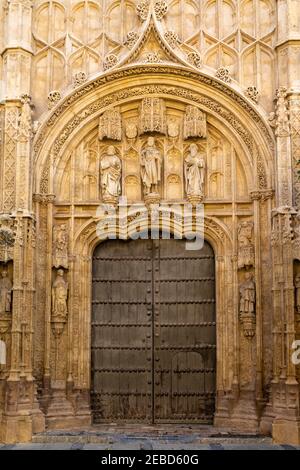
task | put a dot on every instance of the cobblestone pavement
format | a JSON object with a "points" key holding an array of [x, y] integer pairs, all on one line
{"points": [[148, 438]]}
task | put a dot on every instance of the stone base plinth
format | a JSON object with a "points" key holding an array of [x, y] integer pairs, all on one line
{"points": [[286, 431]]}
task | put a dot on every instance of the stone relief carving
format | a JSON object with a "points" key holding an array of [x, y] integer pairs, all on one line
{"points": [[111, 171], [110, 61], [152, 115], [194, 123], [79, 79], [173, 128], [247, 305], [223, 73], [280, 118], [60, 246], [194, 170], [297, 293], [160, 9], [25, 119], [7, 238], [131, 39], [252, 93], [172, 38], [194, 59], [151, 167], [153, 58], [6, 287], [59, 303], [110, 126], [131, 130], [142, 9], [246, 257], [53, 98]]}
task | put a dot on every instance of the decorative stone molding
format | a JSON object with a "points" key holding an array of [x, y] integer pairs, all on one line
{"points": [[79, 79], [194, 59], [223, 73], [280, 118], [25, 119], [252, 93], [262, 195], [53, 98], [7, 238], [110, 125]]}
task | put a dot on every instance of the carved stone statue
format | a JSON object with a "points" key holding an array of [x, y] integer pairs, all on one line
{"points": [[59, 298], [110, 125], [151, 162], [194, 123], [194, 170], [247, 305], [25, 120], [5, 293], [111, 171], [245, 245], [297, 287], [60, 246]]}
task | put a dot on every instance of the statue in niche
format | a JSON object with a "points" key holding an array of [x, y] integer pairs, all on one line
{"points": [[111, 171], [247, 305], [5, 293], [297, 287], [151, 163], [60, 246], [59, 298], [246, 256], [194, 170]]}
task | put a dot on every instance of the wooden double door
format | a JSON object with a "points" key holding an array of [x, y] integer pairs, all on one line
{"points": [[153, 332]]}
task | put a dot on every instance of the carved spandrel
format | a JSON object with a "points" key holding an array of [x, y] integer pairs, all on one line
{"points": [[194, 123]]}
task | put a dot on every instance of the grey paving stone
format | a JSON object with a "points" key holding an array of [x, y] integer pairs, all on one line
{"points": [[57, 446], [250, 447], [8, 447], [96, 447], [29, 446]]}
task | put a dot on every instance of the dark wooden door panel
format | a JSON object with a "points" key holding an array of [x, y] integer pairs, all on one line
{"points": [[153, 334]]}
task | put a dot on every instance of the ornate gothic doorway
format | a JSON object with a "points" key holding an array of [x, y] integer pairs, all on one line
{"points": [[153, 332]]}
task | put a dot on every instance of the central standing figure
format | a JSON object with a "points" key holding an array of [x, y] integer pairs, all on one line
{"points": [[151, 162]]}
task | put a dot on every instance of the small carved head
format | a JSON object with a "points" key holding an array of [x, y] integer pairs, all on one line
{"points": [[60, 273], [194, 149], [151, 142]]}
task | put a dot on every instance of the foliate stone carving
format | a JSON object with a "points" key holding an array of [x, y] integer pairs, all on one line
{"points": [[59, 303], [247, 306], [25, 119], [194, 123], [152, 58], [252, 93], [160, 9], [280, 118], [7, 238], [79, 79], [194, 59], [110, 126], [131, 39], [246, 257], [297, 293], [110, 61], [172, 38], [194, 170], [6, 288], [142, 9], [53, 98], [151, 166], [152, 115], [9, 161], [111, 172], [60, 246], [294, 109], [223, 73]]}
